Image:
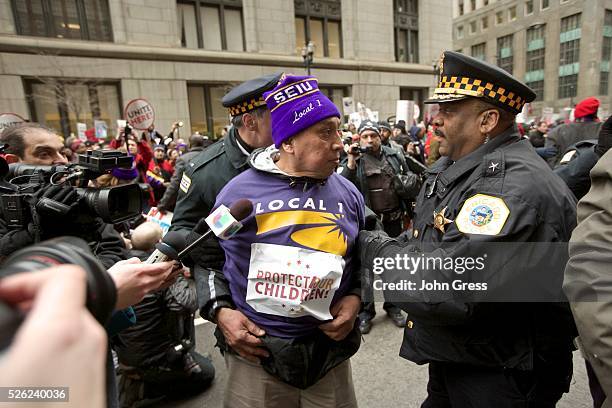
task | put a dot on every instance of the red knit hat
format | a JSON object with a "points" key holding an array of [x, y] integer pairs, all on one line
{"points": [[586, 107]]}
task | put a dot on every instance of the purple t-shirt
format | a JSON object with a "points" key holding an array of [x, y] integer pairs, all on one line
{"points": [[294, 256]]}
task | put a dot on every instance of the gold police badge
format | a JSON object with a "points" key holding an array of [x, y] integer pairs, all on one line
{"points": [[440, 220]]}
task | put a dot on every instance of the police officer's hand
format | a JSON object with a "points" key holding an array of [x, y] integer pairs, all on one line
{"points": [[368, 245], [57, 200], [344, 313], [241, 334], [605, 137]]}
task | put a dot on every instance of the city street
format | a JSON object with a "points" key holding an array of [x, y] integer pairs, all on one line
{"points": [[382, 378]]}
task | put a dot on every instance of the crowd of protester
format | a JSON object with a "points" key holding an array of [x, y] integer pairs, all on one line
{"points": [[155, 353]]}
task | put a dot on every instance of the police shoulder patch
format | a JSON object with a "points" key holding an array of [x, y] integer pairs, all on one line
{"points": [[482, 214], [185, 183]]}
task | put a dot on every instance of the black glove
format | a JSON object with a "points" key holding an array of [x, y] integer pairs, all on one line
{"points": [[57, 200], [369, 244], [605, 137], [208, 253]]}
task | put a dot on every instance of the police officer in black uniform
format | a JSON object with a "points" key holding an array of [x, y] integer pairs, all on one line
{"points": [[578, 160], [204, 178], [489, 189]]}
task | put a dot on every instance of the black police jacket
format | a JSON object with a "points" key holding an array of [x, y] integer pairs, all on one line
{"points": [[501, 193], [575, 166], [202, 180]]}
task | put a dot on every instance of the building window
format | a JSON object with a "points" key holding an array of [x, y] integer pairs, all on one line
{"points": [[606, 54], [485, 23], [319, 22], [335, 94], [406, 20], [461, 9], [211, 24], [60, 104], [528, 7], [545, 4], [534, 68], [72, 19], [485, 3], [479, 51], [504, 53], [569, 54], [473, 4], [206, 113], [512, 13], [499, 17], [460, 32], [472, 27]]}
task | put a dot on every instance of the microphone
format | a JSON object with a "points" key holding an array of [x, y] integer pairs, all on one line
{"points": [[223, 222], [172, 243]]}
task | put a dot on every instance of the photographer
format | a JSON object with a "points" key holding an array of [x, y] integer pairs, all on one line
{"points": [[31, 143], [388, 186]]}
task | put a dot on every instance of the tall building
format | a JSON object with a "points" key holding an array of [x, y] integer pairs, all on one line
{"points": [[560, 48], [69, 61]]}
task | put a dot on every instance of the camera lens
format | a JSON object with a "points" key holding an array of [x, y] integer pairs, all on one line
{"points": [[101, 291]]}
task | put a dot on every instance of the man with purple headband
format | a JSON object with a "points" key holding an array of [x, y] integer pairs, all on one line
{"points": [[292, 268]]}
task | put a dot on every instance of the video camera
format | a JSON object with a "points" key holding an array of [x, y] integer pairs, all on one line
{"points": [[354, 150], [111, 204]]}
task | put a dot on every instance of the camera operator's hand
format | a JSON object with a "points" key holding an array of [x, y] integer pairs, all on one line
{"points": [[135, 279], [352, 154], [59, 343], [57, 200]]}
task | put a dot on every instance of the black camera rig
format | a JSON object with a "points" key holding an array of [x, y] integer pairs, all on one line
{"points": [[21, 182]]}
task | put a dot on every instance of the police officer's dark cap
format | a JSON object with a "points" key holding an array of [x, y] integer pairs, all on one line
{"points": [[368, 125], [463, 77], [248, 96]]}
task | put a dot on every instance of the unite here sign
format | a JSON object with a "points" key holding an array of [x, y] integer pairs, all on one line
{"points": [[139, 114]]}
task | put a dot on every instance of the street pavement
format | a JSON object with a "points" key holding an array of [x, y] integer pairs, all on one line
{"points": [[382, 379]]}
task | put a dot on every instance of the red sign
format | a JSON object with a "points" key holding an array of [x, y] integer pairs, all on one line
{"points": [[139, 114]]}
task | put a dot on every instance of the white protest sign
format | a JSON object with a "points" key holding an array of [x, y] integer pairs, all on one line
{"points": [[163, 220], [547, 115], [81, 128], [139, 114], [9, 119], [355, 119], [404, 110], [292, 282], [101, 129], [348, 105]]}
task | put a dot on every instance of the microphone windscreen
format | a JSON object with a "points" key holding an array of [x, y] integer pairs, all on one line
{"points": [[241, 209], [175, 240]]}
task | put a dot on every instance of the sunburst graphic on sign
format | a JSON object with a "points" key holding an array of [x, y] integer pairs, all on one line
{"points": [[326, 233]]}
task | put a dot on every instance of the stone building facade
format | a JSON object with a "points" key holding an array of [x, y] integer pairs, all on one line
{"points": [[561, 48], [68, 61]]}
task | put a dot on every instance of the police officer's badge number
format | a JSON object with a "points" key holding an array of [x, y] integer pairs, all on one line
{"points": [[185, 183], [482, 214]]}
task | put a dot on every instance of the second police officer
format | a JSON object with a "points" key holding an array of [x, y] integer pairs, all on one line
{"points": [[202, 181], [489, 190]]}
